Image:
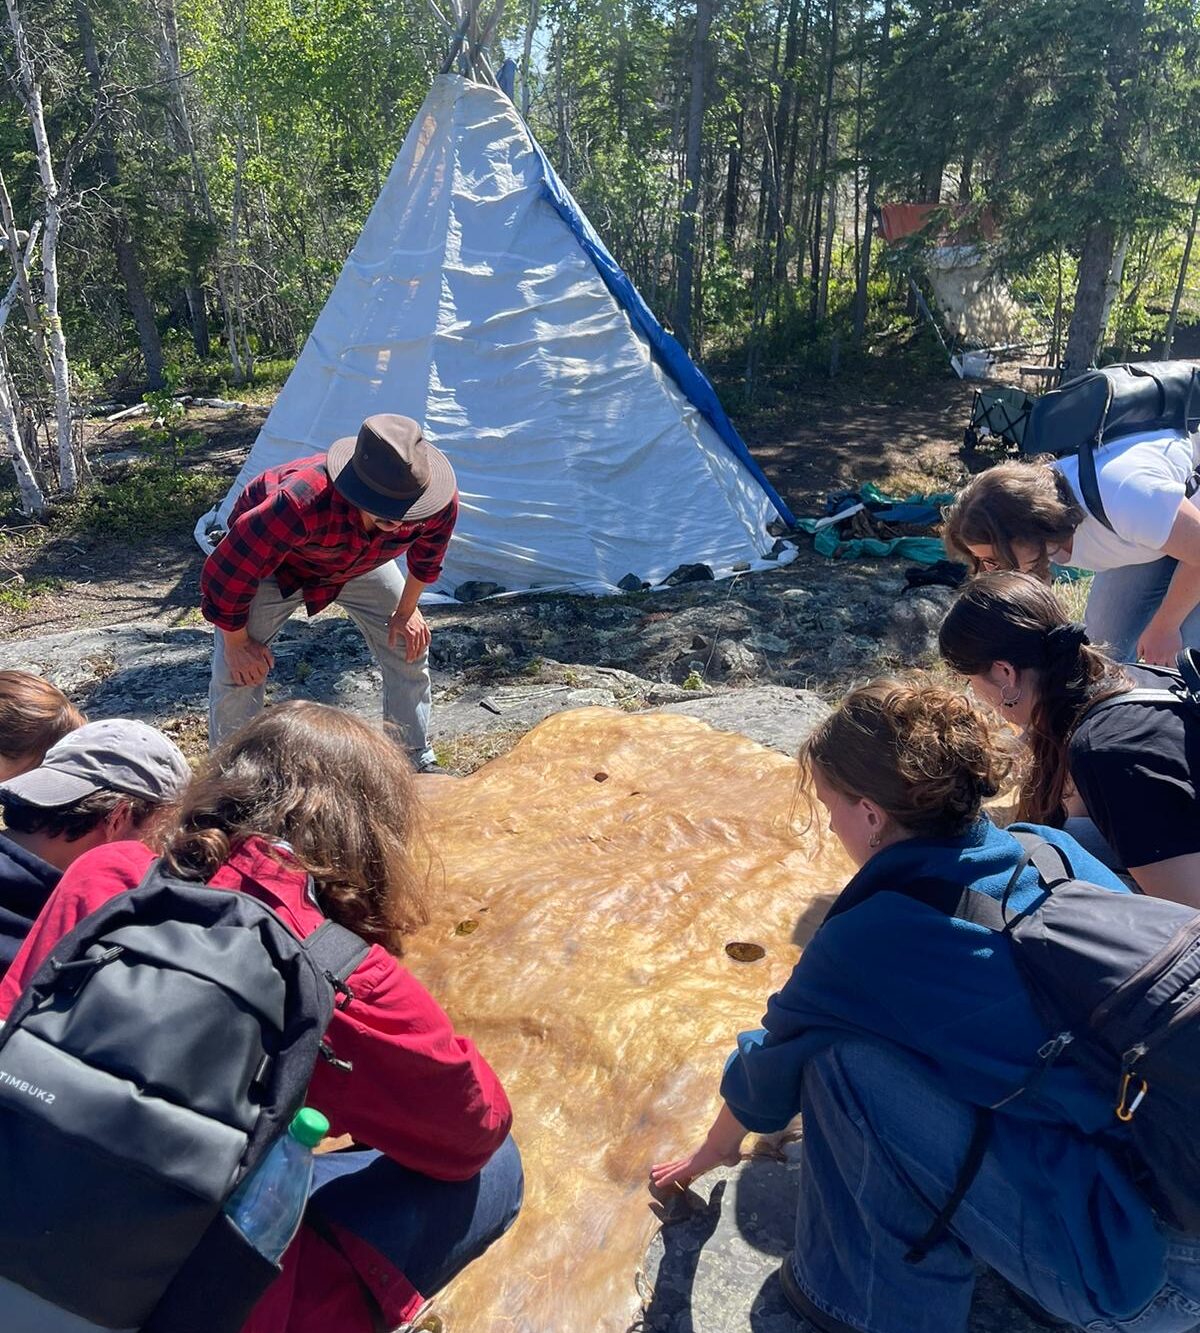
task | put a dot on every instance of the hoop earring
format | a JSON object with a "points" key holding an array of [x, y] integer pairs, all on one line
{"points": [[1011, 703]]}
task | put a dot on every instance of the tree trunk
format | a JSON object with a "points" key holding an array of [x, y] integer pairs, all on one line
{"points": [[33, 500], [526, 54], [1181, 281], [691, 200], [31, 95], [816, 247], [864, 257], [1095, 264], [830, 228], [124, 248], [1112, 285], [21, 263], [182, 123]]}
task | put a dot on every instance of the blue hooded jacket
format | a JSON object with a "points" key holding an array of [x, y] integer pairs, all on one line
{"points": [[949, 994]]}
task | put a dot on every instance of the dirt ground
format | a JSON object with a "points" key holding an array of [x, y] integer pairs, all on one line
{"points": [[820, 437]]}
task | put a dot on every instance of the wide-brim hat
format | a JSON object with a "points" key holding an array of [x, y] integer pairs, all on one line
{"points": [[391, 470]]}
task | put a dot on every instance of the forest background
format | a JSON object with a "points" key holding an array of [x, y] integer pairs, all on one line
{"points": [[181, 180]]}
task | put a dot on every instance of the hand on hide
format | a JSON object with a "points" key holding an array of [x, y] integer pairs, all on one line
{"points": [[722, 1147]]}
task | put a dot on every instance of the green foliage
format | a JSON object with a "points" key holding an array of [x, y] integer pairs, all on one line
{"points": [[141, 501], [18, 597]]}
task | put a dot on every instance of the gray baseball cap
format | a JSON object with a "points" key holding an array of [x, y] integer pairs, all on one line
{"points": [[114, 755]]}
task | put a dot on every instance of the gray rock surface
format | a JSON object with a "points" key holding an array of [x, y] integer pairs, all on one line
{"points": [[913, 622], [713, 1267], [772, 715]]}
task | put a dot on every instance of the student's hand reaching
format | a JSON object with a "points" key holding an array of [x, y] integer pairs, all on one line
{"points": [[722, 1147], [666, 1175]]}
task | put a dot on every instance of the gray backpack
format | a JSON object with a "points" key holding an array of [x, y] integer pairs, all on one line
{"points": [[156, 1056]]}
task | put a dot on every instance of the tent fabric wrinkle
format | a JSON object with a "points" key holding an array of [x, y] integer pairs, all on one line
{"points": [[479, 300]]}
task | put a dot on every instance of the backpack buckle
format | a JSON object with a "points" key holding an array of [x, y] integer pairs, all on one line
{"points": [[342, 990], [1127, 1104]]}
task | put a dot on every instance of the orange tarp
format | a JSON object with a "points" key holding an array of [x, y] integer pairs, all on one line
{"points": [[593, 878], [898, 221]]}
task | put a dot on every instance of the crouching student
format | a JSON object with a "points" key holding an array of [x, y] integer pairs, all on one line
{"points": [[1120, 773], [103, 782], [33, 716], [312, 811], [896, 1025], [1144, 602]]}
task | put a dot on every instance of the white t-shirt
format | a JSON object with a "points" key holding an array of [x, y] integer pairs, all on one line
{"points": [[1142, 483]]}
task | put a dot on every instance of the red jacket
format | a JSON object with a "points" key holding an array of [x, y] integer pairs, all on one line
{"points": [[418, 1092]]}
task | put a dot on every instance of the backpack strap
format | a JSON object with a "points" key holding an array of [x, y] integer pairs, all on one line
{"points": [[337, 954]]}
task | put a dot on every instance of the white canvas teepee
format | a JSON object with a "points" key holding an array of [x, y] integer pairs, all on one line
{"points": [[479, 301]]}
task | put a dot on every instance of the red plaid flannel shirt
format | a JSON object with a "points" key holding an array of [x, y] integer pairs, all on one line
{"points": [[292, 524]]}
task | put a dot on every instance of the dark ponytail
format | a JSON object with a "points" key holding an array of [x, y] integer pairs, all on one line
{"points": [[1009, 617]]}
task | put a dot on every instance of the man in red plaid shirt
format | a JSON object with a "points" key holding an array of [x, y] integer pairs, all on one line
{"points": [[329, 528]]}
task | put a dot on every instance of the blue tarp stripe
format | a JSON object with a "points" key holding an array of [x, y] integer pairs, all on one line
{"points": [[670, 355]]}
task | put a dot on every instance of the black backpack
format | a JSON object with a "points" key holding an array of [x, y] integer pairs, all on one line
{"points": [[1115, 978], [158, 1053], [1104, 405]]}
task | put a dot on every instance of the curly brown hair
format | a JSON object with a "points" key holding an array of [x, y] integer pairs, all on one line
{"points": [[924, 754], [1010, 617], [338, 792], [33, 716], [1018, 501]]}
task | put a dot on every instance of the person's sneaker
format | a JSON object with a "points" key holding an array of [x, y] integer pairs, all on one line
{"points": [[432, 766], [800, 1303]]}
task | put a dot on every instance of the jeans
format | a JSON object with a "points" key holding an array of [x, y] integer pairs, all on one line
{"points": [[370, 600], [428, 1229], [1122, 601], [881, 1150]]}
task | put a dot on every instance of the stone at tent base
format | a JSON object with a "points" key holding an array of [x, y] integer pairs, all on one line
{"points": [[777, 550], [475, 590], [631, 583], [687, 574]]}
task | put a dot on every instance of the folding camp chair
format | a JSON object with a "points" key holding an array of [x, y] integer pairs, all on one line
{"points": [[998, 414]]}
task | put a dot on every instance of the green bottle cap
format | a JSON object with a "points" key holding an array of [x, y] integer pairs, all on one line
{"points": [[308, 1126]]}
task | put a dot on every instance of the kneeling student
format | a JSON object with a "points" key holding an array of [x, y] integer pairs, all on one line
{"points": [[34, 715], [1120, 772], [313, 812], [897, 1025], [103, 782]]}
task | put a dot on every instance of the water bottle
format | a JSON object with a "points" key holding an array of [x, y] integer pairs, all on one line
{"points": [[268, 1205]]}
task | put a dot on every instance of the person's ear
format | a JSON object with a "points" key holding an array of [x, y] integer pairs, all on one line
{"points": [[876, 818], [119, 822], [1004, 676]]}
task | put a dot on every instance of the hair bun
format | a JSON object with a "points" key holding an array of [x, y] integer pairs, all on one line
{"points": [[1066, 639]]}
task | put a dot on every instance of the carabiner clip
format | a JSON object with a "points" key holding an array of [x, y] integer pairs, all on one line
{"points": [[1125, 1108]]}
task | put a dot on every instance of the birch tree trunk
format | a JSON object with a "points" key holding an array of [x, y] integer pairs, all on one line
{"points": [[33, 500], [21, 265], [1181, 282], [31, 95], [686, 247], [526, 54], [1113, 285]]}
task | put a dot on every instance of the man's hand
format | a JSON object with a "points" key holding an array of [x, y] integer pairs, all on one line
{"points": [[249, 661], [1159, 644], [411, 626]]}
